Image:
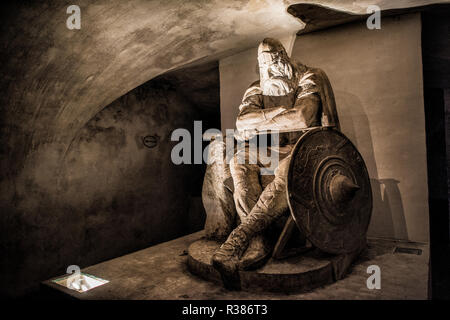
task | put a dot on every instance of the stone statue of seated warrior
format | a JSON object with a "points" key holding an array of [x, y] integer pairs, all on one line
{"points": [[289, 97]]}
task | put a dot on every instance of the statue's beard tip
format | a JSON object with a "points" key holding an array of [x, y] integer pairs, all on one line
{"points": [[276, 86]]}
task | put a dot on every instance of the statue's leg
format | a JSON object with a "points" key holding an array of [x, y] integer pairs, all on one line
{"points": [[216, 195], [271, 204], [247, 188]]}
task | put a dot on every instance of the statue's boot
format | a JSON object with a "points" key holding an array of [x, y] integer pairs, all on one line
{"points": [[256, 254], [226, 258]]}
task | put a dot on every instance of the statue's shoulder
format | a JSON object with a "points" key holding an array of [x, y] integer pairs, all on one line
{"points": [[253, 90], [313, 73], [320, 74], [311, 76], [315, 79]]}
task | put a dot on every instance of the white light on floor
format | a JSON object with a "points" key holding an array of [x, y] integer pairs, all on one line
{"points": [[81, 282]]}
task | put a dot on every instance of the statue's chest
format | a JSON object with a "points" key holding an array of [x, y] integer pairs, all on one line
{"points": [[278, 101]]}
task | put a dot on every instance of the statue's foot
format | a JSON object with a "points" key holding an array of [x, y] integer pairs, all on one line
{"points": [[226, 258], [257, 252]]}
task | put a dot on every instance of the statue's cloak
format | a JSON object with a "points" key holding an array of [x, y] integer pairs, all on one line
{"points": [[329, 111]]}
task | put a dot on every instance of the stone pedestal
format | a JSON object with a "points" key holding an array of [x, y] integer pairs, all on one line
{"points": [[302, 273]]}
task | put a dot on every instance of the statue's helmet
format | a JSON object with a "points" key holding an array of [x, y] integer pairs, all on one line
{"points": [[276, 72], [270, 50]]}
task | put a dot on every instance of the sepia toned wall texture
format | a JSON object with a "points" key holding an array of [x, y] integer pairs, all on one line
{"points": [[109, 193]]}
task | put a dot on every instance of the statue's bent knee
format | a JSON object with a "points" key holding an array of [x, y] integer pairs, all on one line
{"points": [[247, 188]]}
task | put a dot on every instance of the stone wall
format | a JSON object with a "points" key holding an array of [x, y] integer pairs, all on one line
{"points": [[108, 193]]}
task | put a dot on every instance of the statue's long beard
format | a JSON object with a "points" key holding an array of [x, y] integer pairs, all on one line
{"points": [[276, 86], [279, 81]]}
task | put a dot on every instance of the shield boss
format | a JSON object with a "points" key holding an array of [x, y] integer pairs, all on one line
{"points": [[329, 191]]}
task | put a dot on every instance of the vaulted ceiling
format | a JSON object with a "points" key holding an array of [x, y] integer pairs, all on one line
{"points": [[55, 79]]}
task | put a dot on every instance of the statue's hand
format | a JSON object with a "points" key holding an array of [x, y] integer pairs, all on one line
{"points": [[239, 135], [245, 134]]}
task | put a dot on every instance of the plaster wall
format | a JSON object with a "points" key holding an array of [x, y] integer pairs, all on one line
{"points": [[377, 79]]}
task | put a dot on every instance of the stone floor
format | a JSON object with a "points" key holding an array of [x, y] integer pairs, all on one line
{"points": [[160, 272]]}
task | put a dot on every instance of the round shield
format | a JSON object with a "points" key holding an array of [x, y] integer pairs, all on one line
{"points": [[329, 191]]}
